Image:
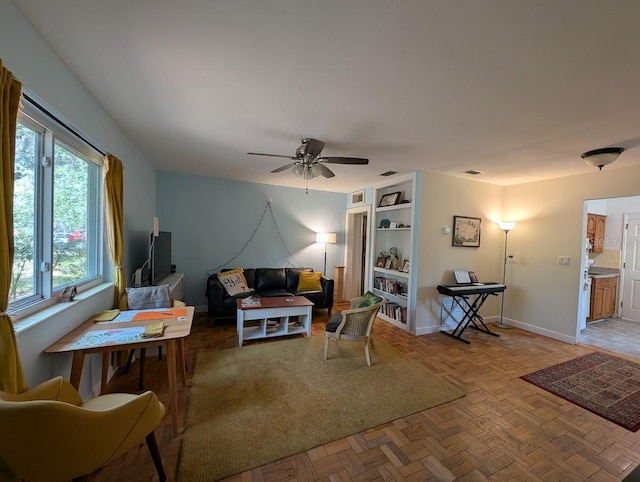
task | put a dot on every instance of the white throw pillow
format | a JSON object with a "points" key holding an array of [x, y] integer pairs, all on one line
{"points": [[234, 282]]}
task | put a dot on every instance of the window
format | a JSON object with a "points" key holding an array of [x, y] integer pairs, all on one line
{"points": [[57, 219]]}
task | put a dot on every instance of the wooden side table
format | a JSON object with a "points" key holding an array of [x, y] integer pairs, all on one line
{"points": [[338, 287]]}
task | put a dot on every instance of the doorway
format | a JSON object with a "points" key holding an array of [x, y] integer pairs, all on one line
{"points": [[620, 332], [358, 228], [630, 279]]}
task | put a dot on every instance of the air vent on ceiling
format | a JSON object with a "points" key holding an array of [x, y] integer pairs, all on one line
{"points": [[473, 172], [389, 173]]}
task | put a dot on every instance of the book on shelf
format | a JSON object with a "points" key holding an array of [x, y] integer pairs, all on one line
{"points": [[253, 300], [390, 285], [395, 311]]}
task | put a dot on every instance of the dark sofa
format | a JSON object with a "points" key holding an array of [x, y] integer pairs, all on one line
{"points": [[266, 282]]}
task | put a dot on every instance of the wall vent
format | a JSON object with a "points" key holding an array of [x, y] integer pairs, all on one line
{"points": [[389, 173], [473, 172]]}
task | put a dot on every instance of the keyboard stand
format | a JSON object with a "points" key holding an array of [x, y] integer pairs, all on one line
{"points": [[470, 301]]}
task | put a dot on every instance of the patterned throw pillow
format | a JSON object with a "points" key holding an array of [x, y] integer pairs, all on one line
{"points": [[367, 299], [309, 281], [234, 281]]}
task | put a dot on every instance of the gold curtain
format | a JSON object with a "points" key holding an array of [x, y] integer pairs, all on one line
{"points": [[114, 204], [11, 375]]}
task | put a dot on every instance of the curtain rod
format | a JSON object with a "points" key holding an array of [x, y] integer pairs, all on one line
{"points": [[54, 117]]}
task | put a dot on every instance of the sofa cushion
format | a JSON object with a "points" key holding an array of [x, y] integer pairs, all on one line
{"points": [[334, 322], [234, 281], [270, 279], [309, 281]]}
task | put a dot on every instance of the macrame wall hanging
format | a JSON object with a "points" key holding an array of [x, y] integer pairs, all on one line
{"points": [[291, 261]]}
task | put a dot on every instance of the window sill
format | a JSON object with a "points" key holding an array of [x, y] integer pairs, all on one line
{"points": [[27, 322]]}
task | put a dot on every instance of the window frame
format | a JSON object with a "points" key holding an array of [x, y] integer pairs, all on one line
{"points": [[52, 132]]}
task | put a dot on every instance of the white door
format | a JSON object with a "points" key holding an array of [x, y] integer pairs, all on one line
{"points": [[631, 269]]}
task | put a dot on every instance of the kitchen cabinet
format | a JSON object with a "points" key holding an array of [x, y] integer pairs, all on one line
{"points": [[393, 261], [595, 231], [604, 295]]}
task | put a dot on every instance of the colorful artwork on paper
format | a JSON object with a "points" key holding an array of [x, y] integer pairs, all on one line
{"points": [[112, 336]]}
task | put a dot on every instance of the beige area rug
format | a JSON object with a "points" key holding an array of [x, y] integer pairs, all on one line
{"points": [[252, 405]]}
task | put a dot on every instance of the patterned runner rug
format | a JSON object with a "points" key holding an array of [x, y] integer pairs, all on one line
{"points": [[603, 384]]}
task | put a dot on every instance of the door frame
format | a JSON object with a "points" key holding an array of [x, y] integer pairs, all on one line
{"points": [[353, 252], [623, 274]]}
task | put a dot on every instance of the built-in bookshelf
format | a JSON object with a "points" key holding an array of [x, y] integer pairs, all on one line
{"points": [[393, 250]]}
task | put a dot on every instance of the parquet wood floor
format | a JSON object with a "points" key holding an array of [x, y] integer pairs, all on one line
{"points": [[504, 429]]}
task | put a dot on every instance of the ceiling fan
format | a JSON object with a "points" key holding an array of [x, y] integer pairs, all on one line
{"points": [[307, 163]]}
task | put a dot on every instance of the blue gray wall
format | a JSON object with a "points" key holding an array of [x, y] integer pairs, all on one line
{"points": [[211, 221]]}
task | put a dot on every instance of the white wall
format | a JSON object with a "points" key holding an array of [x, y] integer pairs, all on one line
{"points": [[551, 216], [47, 78], [442, 197], [615, 210], [542, 296]]}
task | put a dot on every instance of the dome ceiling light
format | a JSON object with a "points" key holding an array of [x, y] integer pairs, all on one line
{"points": [[602, 157]]}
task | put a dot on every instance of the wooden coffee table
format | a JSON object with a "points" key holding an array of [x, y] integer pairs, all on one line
{"points": [[274, 317]]}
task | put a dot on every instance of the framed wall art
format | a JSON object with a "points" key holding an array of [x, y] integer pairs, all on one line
{"points": [[466, 232], [389, 199]]}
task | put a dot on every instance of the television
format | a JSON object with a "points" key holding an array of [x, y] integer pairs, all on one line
{"points": [[160, 257]]}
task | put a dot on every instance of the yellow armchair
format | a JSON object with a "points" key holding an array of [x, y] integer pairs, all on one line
{"points": [[49, 435]]}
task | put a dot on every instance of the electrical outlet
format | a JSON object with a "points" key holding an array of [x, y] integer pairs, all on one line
{"points": [[563, 260]]}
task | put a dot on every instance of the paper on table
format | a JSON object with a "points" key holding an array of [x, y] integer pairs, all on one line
{"points": [[154, 330], [107, 315], [160, 314]]}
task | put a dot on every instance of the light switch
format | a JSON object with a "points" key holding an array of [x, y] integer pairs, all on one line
{"points": [[563, 260]]}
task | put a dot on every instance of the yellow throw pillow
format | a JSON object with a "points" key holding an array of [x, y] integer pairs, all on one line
{"points": [[234, 281], [309, 281]]}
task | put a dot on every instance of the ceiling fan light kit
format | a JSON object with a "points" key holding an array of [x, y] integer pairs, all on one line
{"points": [[602, 157], [308, 163]]}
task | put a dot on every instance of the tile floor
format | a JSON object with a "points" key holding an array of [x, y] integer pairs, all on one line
{"points": [[614, 335]]}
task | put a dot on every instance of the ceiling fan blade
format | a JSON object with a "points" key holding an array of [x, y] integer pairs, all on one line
{"points": [[313, 146], [345, 160], [269, 155], [285, 167], [326, 172]]}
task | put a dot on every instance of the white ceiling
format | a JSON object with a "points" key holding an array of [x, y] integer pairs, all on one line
{"points": [[515, 88]]}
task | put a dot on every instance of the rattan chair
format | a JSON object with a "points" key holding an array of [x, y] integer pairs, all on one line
{"points": [[354, 324]]}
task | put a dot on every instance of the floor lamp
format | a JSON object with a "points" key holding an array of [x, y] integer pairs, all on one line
{"points": [[506, 227], [325, 238]]}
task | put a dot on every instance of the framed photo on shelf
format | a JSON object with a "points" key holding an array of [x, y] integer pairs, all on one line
{"points": [[389, 199], [381, 261], [466, 232], [405, 265]]}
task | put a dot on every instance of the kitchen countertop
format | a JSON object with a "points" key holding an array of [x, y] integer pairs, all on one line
{"points": [[603, 272]]}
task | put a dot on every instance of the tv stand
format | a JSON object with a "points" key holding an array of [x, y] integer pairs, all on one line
{"points": [[176, 285]]}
